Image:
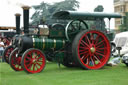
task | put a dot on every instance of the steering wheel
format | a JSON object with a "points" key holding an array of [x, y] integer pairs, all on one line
{"points": [[73, 27]]}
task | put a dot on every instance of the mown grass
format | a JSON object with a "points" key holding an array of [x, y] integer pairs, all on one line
{"points": [[53, 75]]}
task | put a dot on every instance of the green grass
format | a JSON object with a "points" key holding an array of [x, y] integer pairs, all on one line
{"points": [[53, 75]]}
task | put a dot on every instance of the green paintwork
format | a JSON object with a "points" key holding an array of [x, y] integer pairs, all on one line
{"points": [[57, 33], [59, 57], [73, 15], [46, 43], [111, 36]]}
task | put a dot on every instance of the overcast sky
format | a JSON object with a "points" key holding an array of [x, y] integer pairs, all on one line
{"points": [[9, 7]]}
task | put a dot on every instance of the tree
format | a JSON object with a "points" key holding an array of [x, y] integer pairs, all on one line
{"points": [[100, 23], [40, 12], [99, 8], [44, 11]]}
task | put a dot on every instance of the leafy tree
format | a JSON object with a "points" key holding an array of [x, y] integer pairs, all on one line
{"points": [[99, 8], [44, 11], [40, 13], [99, 23]]}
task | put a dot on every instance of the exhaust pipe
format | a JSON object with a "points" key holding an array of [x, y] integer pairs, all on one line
{"points": [[26, 18], [17, 23]]}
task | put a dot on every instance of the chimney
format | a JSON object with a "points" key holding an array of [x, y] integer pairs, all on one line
{"points": [[17, 23], [26, 18]]}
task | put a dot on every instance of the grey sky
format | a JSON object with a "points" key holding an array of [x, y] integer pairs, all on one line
{"points": [[10, 7]]}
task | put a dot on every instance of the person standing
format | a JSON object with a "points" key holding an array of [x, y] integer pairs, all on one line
{"points": [[1, 49]]}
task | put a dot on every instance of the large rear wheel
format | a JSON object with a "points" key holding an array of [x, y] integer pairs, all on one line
{"points": [[33, 61], [91, 49]]}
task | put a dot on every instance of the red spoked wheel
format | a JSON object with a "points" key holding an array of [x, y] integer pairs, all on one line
{"points": [[15, 60], [33, 61], [6, 41], [7, 53], [91, 49]]}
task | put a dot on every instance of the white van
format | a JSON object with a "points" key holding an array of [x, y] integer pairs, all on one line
{"points": [[121, 40]]}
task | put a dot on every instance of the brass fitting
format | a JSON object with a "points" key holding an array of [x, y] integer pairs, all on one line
{"points": [[17, 14], [26, 7]]}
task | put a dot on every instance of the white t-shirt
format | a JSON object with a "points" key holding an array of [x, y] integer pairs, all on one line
{"points": [[1, 48]]}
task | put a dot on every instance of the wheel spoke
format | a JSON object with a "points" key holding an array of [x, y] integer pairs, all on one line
{"points": [[101, 45], [101, 48], [99, 42], [99, 54], [91, 38], [39, 58], [97, 59], [29, 58], [84, 52], [29, 54], [84, 43], [85, 48], [33, 67], [97, 39], [88, 60], [84, 57], [28, 65], [92, 61], [88, 40], [27, 61], [99, 51], [36, 67], [38, 64]]}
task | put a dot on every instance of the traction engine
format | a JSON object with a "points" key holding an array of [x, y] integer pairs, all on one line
{"points": [[73, 45]]}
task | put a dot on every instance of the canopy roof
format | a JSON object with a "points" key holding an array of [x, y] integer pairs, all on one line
{"points": [[73, 15]]}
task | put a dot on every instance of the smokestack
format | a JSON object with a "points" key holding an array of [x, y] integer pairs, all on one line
{"points": [[26, 18], [17, 23]]}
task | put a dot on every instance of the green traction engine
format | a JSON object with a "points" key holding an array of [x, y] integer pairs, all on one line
{"points": [[73, 45]]}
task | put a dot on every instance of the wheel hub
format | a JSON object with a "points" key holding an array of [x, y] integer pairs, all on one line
{"points": [[34, 60], [92, 49]]}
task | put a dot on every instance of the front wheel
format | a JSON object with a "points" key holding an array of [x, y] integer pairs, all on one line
{"points": [[15, 60], [91, 49], [33, 61]]}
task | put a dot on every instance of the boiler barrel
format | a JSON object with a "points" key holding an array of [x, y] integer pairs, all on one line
{"points": [[46, 43], [41, 43]]}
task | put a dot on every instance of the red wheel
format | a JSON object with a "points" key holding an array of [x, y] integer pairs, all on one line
{"points": [[7, 53], [33, 61], [91, 49], [6, 42], [15, 60]]}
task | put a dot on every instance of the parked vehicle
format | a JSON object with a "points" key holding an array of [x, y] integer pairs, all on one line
{"points": [[121, 40]]}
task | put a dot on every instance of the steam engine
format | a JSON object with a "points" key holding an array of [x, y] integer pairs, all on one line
{"points": [[73, 45]]}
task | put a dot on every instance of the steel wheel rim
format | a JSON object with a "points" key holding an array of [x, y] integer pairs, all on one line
{"points": [[93, 52], [16, 61], [71, 23], [34, 63], [7, 53]]}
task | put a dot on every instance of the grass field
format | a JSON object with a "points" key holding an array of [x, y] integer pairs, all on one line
{"points": [[53, 75]]}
